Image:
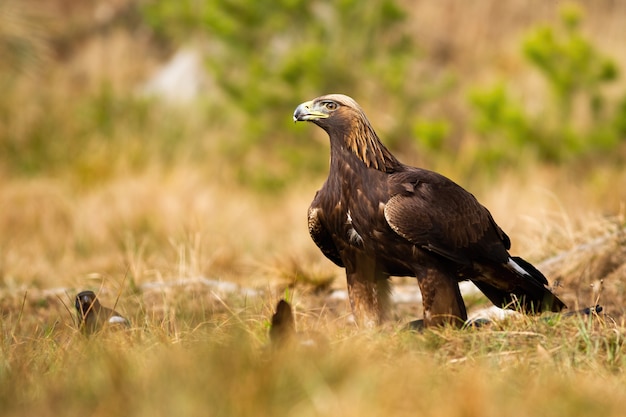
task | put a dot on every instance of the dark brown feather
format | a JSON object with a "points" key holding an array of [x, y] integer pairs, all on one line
{"points": [[283, 326], [321, 237], [378, 217], [283, 332], [92, 316], [434, 213]]}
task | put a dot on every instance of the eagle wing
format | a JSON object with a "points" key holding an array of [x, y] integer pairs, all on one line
{"points": [[321, 235], [436, 214]]}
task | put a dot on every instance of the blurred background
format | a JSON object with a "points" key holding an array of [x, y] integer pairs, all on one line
{"points": [[142, 141]]}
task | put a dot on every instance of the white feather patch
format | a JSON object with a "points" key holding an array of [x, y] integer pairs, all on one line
{"points": [[517, 268], [354, 237], [118, 319]]}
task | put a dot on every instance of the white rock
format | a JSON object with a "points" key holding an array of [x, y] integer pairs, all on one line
{"points": [[180, 80]]}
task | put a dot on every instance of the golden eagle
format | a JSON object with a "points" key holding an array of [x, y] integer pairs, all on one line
{"points": [[377, 217]]}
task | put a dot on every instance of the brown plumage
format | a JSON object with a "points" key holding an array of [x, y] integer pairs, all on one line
{"points": [[377, 217], [92, 316], [283, 327], [283, 330]]}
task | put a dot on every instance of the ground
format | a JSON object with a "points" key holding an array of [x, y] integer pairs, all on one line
{"points": [[144, 204]]}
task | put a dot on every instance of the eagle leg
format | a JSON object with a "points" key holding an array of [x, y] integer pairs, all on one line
{"points": [[442, 299], [369, 292]]}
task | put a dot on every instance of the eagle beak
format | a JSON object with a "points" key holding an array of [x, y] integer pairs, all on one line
{"points": [[306, 112]]}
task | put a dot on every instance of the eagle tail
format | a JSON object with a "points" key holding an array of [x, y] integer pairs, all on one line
{"points": [[517, 284]]}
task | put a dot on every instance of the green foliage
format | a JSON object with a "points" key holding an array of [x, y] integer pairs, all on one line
{"points": [[267, 59], [260, 54], [431, 134], [570, 63], [619, 121], [576, 119], [264, 60], [90, 136], [505, 123]]}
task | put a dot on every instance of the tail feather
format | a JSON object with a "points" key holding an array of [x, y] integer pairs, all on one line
{"points": [[517, 284], [530, 269]]}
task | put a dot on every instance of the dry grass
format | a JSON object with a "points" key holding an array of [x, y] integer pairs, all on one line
{"points": [[170, 245], [222, 367], [197, 262]]}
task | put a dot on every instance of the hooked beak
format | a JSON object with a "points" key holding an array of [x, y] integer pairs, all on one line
{"points": [[307, 112]]}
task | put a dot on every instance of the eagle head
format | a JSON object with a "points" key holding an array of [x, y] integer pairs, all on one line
{"points": [[330, 112], [348, 128]]}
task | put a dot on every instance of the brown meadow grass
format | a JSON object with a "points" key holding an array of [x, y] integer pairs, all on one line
{"points": [[200, 287], [197, 261]]}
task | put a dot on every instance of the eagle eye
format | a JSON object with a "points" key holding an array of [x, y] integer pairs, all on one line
{"points": [[330, 105]]}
